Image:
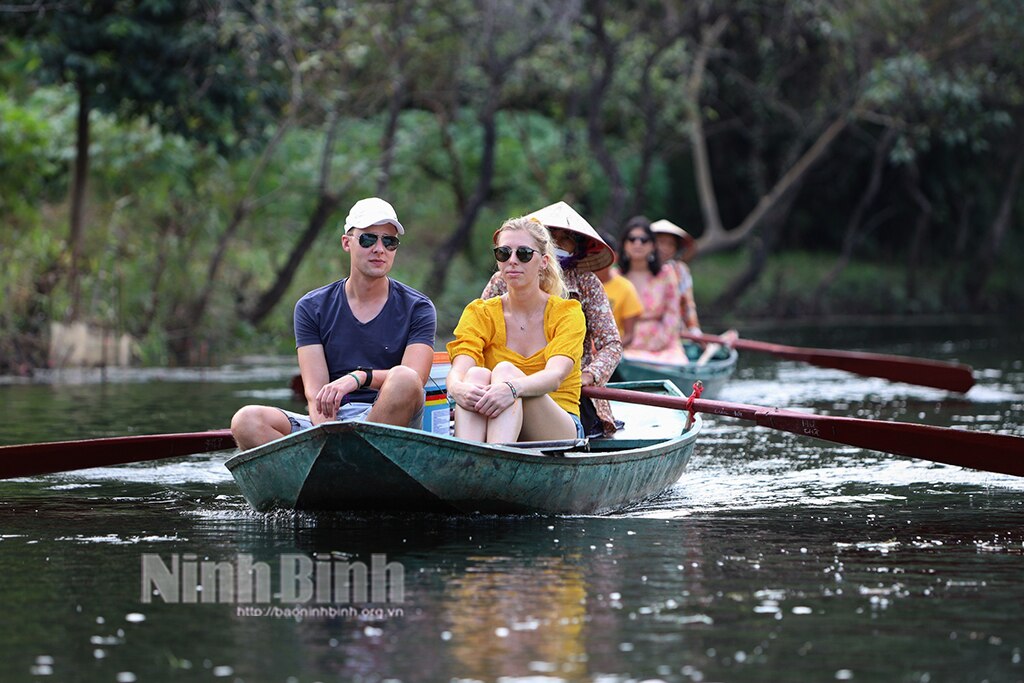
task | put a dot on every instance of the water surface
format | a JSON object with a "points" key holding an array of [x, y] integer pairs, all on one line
{"points": [[775, 557]]}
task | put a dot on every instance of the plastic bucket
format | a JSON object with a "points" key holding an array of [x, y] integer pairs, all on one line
{"points": [[437, 416]]}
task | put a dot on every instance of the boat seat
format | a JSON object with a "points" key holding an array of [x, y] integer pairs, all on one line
{"points": [[557, 447]]}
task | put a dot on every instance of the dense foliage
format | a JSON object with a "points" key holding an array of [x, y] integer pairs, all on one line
{"points": [[833, 157]]}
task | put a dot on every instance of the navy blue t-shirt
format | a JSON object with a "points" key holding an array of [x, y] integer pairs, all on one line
{"points": [[323, 317]]}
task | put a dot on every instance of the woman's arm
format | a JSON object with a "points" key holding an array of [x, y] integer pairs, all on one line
{"points": [[602, 328], [544, 381], [668, 331], [628, 325], [464, 393]]}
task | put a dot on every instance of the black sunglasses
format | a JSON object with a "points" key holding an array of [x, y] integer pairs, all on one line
{"points": [[524, 254], [642, 239], [368, 239]]}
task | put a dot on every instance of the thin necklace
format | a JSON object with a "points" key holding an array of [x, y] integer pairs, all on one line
{"points": [[524, 323]]}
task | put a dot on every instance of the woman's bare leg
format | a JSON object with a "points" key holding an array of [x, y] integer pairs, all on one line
{"points": [[544, 420], [506, 428], [470, 425]]}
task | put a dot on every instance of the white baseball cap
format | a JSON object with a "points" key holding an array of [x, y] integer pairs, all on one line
{"points": [[372, 211]]}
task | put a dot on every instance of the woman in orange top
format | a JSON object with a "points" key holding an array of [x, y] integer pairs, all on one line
{"points": [[516, 358]]}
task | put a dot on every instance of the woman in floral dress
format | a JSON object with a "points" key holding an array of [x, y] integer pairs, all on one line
{"points": [[656, 334]]}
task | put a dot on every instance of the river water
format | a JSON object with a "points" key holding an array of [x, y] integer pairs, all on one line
{"points": [[775, 557]]}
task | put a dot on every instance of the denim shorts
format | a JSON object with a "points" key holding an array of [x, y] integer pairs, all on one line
{"points": [[579, 425], [348, 411]]}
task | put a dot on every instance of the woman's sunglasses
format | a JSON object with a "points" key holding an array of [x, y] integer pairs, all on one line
{"points": [[642, 239], [524, 254], [368, 239]]}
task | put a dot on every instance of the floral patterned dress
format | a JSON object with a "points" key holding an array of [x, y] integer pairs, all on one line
{"points": [[656, 334], [687, 302], [602, 346]]}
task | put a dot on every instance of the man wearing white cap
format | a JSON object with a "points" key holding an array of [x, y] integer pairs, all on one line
{"points": [[365, 343]]}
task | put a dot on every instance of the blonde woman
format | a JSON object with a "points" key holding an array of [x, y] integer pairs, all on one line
{"points": [[581, 251], [516, 358]]}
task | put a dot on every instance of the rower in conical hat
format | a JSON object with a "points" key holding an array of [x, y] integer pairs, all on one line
{"points": [[591, 252]]}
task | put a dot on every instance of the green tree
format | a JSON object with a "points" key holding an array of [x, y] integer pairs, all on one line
{"points": [[132, 58]]}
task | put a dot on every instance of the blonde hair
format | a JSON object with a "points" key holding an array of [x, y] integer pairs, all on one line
{"points": [[552, 280]]}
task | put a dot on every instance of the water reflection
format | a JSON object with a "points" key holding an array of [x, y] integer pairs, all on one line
{"points": [[522, 618]]}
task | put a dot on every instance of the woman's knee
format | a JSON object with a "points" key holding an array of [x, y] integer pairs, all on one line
{"points": [[478, 375], [504, 371]]}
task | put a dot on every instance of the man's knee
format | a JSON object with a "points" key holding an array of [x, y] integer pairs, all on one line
{"points": [[254, 419], [246, 418], [404, 382]]}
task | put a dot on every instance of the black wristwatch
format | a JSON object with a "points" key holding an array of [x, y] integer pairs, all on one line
{"points": [[369, 377]]}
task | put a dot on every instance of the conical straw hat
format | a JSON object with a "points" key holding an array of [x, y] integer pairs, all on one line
{"points": [[596, 252], [669, 228]]}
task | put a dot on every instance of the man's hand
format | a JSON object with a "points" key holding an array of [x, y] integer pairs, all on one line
{"points": [[328, 399]]}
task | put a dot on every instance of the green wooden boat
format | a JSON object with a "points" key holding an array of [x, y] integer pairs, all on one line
{"points": [[368, 466], [713, 374]]}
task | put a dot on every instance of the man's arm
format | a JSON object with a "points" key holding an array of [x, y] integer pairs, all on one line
{"points": [[321, 396], [419, 357]]}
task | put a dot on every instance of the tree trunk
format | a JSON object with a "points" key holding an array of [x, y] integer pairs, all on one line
{"points": [[921, 226], [327, 203], [698, 142], [987, 255], [854, 226], [81, 176], [606, 56], [760, 251], [387, 143], [650, 144], [459, 239]]}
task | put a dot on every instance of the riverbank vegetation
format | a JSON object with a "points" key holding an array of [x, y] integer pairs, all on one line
{"points": [[178, 171]]}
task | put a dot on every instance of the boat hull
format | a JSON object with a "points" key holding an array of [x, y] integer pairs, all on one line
{"points": [[713, 375], [368, 466]]}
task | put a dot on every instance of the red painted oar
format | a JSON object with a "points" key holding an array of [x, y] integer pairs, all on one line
{"points": [[923, 372], [26, 460], [977, 450]]}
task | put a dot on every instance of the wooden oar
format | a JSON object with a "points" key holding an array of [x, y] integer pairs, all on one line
{"points": [[709, 352], [977, 450], [923, 372], [26, 460]]}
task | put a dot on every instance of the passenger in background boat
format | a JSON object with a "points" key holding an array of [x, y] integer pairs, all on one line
{"points": [[656, 335], [581, 250], [622, 297], [365, 343], [516, 358], [675, 248]]}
